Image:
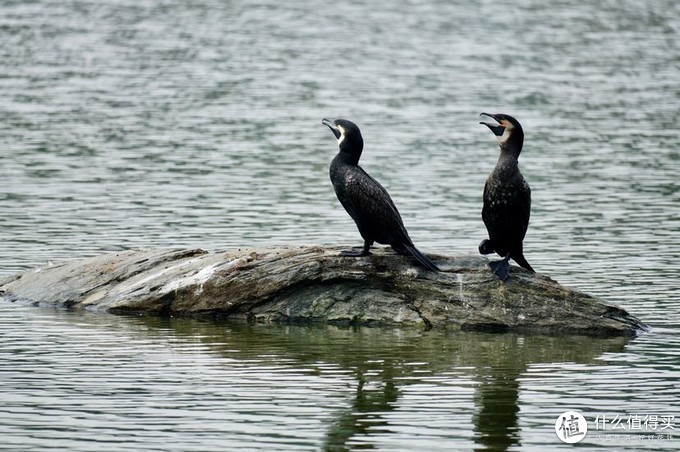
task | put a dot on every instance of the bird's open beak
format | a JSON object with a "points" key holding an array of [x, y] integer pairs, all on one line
{"points": [[331, 125], [495, 127]]}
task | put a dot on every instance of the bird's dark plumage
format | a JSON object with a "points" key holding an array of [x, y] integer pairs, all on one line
{"points": [[364, 199], [507, 199]]}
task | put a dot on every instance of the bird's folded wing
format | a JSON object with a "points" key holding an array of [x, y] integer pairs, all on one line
{"points": [[369, 202]]}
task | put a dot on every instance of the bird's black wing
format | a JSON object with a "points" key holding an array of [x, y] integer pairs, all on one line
{"points": [[506, 209], [493, 212], [524, 207], [486, 205], [372, 208]]}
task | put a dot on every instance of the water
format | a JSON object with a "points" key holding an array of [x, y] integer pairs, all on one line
{"points": [[147, 124]]}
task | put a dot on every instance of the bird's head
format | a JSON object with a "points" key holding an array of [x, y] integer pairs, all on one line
{"points": [[348, 135], [507, 129]]}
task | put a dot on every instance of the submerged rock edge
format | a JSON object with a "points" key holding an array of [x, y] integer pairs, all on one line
{"points": [[314, 284]]}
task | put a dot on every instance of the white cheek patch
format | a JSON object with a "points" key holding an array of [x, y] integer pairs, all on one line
{"points": [[506, 134], [342, 135]]}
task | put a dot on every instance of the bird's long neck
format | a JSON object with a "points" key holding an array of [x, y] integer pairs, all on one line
{"points": [[348, 157], [512, 147], [507, 157], [510, 151], [507, 162]]}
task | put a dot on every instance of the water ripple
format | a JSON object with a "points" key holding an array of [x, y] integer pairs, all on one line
{"points": [[148, 124]]}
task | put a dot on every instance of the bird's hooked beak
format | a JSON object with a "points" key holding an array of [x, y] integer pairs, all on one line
{"points": [[331, 125], [497, 127]]}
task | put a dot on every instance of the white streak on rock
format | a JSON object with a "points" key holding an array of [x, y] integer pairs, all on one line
{"points": [[197, 279]]}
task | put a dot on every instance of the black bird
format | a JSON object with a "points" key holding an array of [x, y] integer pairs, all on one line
{"points": [[365, 200], [507, 199]]}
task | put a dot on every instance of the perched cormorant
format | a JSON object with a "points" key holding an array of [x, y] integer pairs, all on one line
{"points": [[364, 199], [507, 199]]}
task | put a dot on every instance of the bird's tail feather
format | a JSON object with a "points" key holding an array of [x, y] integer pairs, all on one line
{"points": [[523, 262], [420, 257]]}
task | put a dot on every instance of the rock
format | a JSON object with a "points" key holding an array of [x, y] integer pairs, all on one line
{"points": [[313, 283]]}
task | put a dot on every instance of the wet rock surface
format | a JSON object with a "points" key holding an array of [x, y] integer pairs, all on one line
{"points": [[315, 284]]}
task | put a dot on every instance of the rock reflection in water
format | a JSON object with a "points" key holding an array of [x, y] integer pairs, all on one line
{"points": [[384, 364]]}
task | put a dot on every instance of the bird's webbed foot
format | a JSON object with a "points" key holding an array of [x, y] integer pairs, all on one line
{"points": [[501, 268], [365, 251], [486, 247]]}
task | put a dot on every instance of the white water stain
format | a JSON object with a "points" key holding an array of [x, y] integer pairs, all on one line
{"points": [[200, 277], [130, 286], [197, 279], [461, 293]]}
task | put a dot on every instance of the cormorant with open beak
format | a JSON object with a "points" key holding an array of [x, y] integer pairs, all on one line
{"points": [[365, 200], [507, 198]]}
